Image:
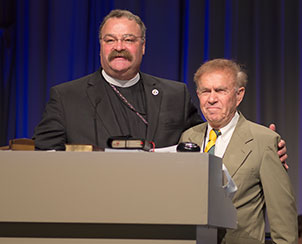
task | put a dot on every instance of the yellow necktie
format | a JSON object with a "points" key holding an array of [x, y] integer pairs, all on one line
{"points": [[212, 139]]}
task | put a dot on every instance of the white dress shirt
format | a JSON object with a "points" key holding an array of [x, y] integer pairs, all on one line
{"points": [[223, 140], [121, 83]]}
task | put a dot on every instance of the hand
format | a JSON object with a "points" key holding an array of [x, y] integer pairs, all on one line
{"points": [[282, 148]]}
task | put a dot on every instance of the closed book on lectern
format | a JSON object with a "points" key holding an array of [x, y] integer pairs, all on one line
{"points": [[81, 148], [128, 143]]}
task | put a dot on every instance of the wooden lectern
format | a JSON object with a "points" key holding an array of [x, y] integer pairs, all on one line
{"points": [[112, 198]]}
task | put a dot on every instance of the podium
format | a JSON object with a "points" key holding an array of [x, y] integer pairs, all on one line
{"points": [[112, 198]]}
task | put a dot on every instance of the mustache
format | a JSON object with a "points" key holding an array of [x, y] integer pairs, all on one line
{"points": [[121, 54]]}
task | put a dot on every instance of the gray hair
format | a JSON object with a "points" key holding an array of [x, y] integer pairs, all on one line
{"points": [[240, 77], [120, 13]]}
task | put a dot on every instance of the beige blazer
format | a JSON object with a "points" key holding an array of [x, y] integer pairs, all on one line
{"points": [[251, 159]]}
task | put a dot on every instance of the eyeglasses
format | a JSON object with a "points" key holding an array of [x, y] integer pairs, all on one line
{"points": [[127, 39]]}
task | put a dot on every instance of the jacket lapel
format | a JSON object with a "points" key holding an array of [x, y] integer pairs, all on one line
{"points": [[240, 146], [198, 134], [153, 95], [100, 103]]}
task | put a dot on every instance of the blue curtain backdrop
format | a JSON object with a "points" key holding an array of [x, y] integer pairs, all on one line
{"points": [[43, 43]]}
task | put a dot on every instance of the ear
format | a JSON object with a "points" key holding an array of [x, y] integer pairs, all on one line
{"points": [[144, 46], [239, 95], [100, 47]]}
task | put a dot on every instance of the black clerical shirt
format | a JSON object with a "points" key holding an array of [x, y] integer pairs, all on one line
{"points": [[128, 121]]}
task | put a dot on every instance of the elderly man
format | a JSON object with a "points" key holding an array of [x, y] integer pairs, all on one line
{"points": [[249, 152], [118, 99]]}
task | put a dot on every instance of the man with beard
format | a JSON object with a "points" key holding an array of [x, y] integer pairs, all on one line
{"points": [[118, 99]]}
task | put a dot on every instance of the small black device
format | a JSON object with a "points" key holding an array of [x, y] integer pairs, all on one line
{"points": [[187, 147]]}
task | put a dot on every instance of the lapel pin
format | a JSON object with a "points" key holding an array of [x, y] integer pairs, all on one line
{"points": [[155, 92]]}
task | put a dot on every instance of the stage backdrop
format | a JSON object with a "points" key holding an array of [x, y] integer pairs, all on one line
{"points": [[43, 43]]}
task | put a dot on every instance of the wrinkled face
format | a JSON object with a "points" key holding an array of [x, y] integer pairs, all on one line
{"points": [[219, 97], [122, 48]]}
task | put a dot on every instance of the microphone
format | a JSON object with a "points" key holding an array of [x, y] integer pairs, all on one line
{"points": [[96, 134], [187, 147]]}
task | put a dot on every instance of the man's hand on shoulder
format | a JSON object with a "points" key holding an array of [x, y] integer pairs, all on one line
{"points": [[281, 148]]}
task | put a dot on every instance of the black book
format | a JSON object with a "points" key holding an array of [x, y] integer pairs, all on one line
{"points": [[126, 142]]}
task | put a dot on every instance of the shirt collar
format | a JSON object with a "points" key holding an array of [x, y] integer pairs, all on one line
{"points": [[229, 128], [121, 83]]}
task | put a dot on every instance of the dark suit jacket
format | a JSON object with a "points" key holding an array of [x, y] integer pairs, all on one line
{"points": [[70, 112], [252, 161]]}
